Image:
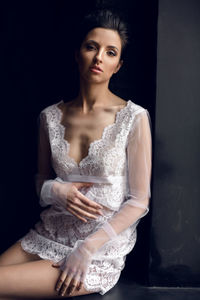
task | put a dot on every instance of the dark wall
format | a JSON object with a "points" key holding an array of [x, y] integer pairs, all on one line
{"points": [[38, 69], [175, 234]]}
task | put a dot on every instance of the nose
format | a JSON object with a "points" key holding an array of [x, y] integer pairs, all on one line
{"points": [[98, 57]]}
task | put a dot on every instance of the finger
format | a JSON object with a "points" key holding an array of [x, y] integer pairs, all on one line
{"points": [[58, 264], [78, 202], [66, 284], [81, 184], [55, 265], [73, 284], [79, 286], [60, 281], [71, 288], [81, 212], [87, 201], [81, 279], [76, 215]]}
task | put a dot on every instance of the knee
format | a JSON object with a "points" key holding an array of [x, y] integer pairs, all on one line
{"points": [[6, 258], [2, 261]]}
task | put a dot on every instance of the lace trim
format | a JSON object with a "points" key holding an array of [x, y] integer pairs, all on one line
{"points": [[106, 129], [105, 269]]}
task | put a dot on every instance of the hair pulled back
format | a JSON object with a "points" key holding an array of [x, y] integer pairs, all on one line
{"points": [[103, 18]]}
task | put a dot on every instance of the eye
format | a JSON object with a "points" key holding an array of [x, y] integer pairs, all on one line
{"points": [[111, 53], [90, 47]]}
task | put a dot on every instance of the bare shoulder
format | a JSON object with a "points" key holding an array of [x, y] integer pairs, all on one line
{"points": [[118, 101], [62, 104], [67, 107]]}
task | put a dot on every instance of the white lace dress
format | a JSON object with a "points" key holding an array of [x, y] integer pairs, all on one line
{"points": [[56, 233]]}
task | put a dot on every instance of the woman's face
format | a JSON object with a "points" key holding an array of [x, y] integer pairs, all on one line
{"points": [[99, 55]]}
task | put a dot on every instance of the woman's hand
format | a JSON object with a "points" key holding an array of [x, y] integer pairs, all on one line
{"points": [[75, 202], [74, 268]]}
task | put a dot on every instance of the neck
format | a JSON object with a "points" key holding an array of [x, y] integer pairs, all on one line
{"points": [[93, 95]]}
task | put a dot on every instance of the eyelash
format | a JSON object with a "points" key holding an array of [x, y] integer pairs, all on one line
{"points": [[90, 48], [113, 53]]}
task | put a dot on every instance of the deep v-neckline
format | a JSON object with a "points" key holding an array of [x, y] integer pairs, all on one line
{"points": [[106, 128]]}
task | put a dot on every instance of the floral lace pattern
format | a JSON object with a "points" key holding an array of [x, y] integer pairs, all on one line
{"points": [[57, 232]]}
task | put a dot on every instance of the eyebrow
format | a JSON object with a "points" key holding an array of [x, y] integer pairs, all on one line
{"points": [[109, 46]]}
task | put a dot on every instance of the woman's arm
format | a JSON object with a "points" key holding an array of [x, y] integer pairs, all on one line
{"points": [[139, 161], [44, 167]]}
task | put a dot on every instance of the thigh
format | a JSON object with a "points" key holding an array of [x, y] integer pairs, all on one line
{"points": [[33, 279], [16, 255]]}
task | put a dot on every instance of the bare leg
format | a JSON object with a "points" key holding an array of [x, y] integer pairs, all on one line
{"points": [[15, 255], [9, 276], [35, 279]]}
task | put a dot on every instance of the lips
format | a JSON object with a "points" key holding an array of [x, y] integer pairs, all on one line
{"points": [[95, 68]]}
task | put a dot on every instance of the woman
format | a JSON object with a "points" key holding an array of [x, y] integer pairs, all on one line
{"points": [[99, 147]]}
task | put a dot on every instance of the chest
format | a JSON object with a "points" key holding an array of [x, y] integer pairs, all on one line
{"points": [[96, 146], [82, 131]]}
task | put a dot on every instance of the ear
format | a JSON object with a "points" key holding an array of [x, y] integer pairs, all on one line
{"points": [[118, 66]]}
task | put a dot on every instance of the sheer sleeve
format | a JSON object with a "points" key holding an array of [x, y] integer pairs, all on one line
{"points": [[44, 167], [139, 157], [139, 161], [139, 164]]}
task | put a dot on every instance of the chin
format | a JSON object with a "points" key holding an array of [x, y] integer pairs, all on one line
{"points": [[95, 79]]}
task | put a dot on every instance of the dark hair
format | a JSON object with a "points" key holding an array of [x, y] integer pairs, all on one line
{"points": [[103, 18]]}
